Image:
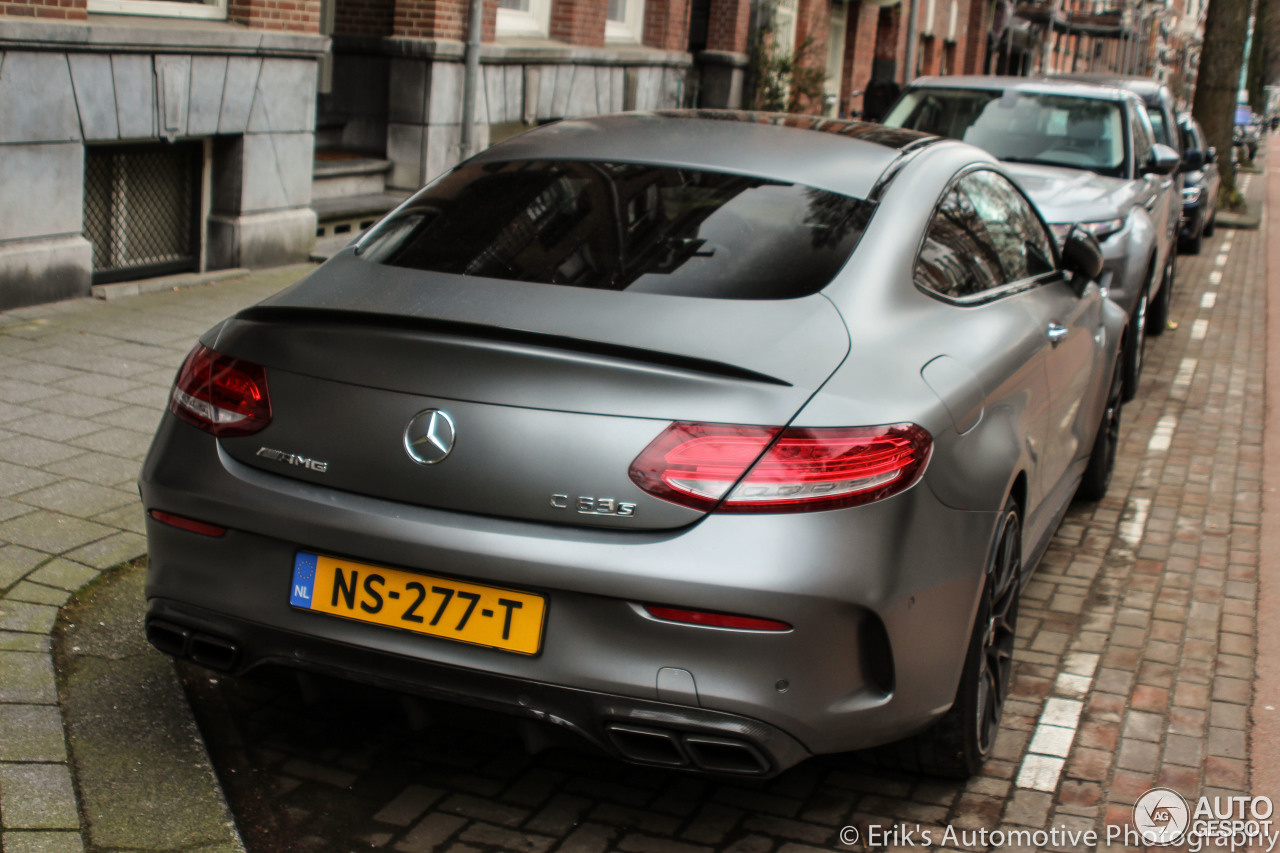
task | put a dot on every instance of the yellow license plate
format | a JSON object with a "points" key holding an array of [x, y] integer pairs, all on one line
{"points": [[442, 607]]}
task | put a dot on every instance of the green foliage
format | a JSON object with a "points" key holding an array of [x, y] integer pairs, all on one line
{"points": [[785, 81]]}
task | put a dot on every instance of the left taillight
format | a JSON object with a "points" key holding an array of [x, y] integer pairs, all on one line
{"points": [[769, 469], [221, 395]]}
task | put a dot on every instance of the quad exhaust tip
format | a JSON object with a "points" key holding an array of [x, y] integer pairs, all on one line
{"points": [[667, 748], [207, 650]]}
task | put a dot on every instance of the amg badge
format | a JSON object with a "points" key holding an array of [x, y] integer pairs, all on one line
{"points": [[293, 459]]}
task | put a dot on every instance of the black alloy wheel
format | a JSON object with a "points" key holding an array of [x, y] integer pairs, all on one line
{"points": [[963, 738], [996, 665]]}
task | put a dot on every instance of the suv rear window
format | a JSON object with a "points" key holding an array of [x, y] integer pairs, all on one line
{"points": [[617, 226]]}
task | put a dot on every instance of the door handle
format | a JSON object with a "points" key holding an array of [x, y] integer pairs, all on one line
{"points": [[1056, 333]]}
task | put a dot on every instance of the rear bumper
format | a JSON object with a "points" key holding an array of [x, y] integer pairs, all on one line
{"points": [[881, 597], [637, 730]]}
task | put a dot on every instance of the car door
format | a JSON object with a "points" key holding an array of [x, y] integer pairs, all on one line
{"points": [[989, 250], [1069, 318]]}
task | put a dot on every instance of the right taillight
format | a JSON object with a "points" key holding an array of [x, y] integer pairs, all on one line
{"points": [[770, 469], [221, 395]]}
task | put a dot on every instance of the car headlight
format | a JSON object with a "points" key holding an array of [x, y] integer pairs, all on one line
{"points": [[1190, 195], [1101, 229]]}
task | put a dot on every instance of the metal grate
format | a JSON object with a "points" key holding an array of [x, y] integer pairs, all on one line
{"points": [[141, 209]]}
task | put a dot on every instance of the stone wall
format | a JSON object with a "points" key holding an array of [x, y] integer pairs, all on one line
{"points": [[423, 91], [64, 87]]}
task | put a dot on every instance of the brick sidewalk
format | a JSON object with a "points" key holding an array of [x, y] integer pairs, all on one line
{"points": [[82, 387], [1136, 643]]}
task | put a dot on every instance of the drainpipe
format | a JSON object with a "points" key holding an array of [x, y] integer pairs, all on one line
{"points": [[471, 77], [913, 15]]}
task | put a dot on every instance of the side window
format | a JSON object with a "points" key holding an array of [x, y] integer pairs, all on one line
{"points": [[1024, 246], [984, 235], [1142, 139], [958, 258]]}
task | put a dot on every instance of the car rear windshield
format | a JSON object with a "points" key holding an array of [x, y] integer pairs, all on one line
{"points": [[1022, 127], [615, 226]]}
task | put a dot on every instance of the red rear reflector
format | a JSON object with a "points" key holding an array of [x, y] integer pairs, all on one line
{"points": [[766, 469], [187, 523], [221, 395], [714, 620]]}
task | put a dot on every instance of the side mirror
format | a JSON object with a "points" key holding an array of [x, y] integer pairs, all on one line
{"points": [[1211, 156], [1081, 254], [1193, 160], [1164, 160]]}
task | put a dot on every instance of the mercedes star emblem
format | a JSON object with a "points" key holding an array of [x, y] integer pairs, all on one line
{"points": [[428, 438]]}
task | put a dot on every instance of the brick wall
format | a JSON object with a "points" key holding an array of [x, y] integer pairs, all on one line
{"points": [[975, 37], [859, 53], [666, 23], [578, 22], [728, 27], [66, 10], [429, 19], [364, 17], [299, 16]]}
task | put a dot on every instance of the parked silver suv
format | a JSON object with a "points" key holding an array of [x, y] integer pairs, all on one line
{"points": [[1087, 155]]}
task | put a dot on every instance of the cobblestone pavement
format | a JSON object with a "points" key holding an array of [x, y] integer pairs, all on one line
{"points": [[1135, 659]]}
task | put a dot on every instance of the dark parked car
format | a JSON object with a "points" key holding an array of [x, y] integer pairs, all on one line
{"points": [[718, 439], [1087, 155], [1200, 185]]}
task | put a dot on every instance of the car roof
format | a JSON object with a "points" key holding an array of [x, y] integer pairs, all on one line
{"points": [[1030, 85], [847, 157], [1151, 91]]}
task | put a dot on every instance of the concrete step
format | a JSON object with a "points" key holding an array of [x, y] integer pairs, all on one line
{"points": [[341, 220], [339, 174]]}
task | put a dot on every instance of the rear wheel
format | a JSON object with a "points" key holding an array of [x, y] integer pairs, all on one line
{"points": [[1158, 313], [1102, 460], [1210, 223], [964, 737]]}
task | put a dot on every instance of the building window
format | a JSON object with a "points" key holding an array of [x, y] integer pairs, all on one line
{"points": [[524, 18], [784, 26], [215, 10], [624, 22]]}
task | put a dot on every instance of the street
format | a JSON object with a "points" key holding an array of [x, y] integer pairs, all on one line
{"points": [[1135, 661]]}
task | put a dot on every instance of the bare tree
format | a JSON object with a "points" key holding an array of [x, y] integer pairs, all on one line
{"points": [[1268, 32], [1218, 85]]}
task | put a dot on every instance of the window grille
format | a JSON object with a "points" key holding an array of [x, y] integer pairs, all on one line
{"points": [[141, 209]]}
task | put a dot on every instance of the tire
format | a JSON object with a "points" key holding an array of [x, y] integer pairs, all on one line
{"points": [[963, 738], [1210, 223], [1196, 243], [1135, 342], [1102, 459], [1158, 310]]}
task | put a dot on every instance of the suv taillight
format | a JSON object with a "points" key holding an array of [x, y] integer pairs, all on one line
{"points": [[769, 469], [221, 395]]}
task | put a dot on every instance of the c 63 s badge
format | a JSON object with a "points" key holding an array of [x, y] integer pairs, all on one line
{"points": [[293, 459], [587, 505]]}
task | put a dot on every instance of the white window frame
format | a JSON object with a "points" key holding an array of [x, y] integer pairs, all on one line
{"points": [[631, 28], [785, 15], [211, 10], [535, 23]]}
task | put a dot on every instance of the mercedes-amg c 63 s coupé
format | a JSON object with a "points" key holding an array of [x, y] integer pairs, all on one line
{"points": [[718, 439]]}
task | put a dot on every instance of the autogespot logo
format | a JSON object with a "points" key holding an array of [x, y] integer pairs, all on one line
{"points": [[1161, 816]]}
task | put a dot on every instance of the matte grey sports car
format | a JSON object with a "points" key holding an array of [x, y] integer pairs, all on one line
{"points": [[719, 439]]}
